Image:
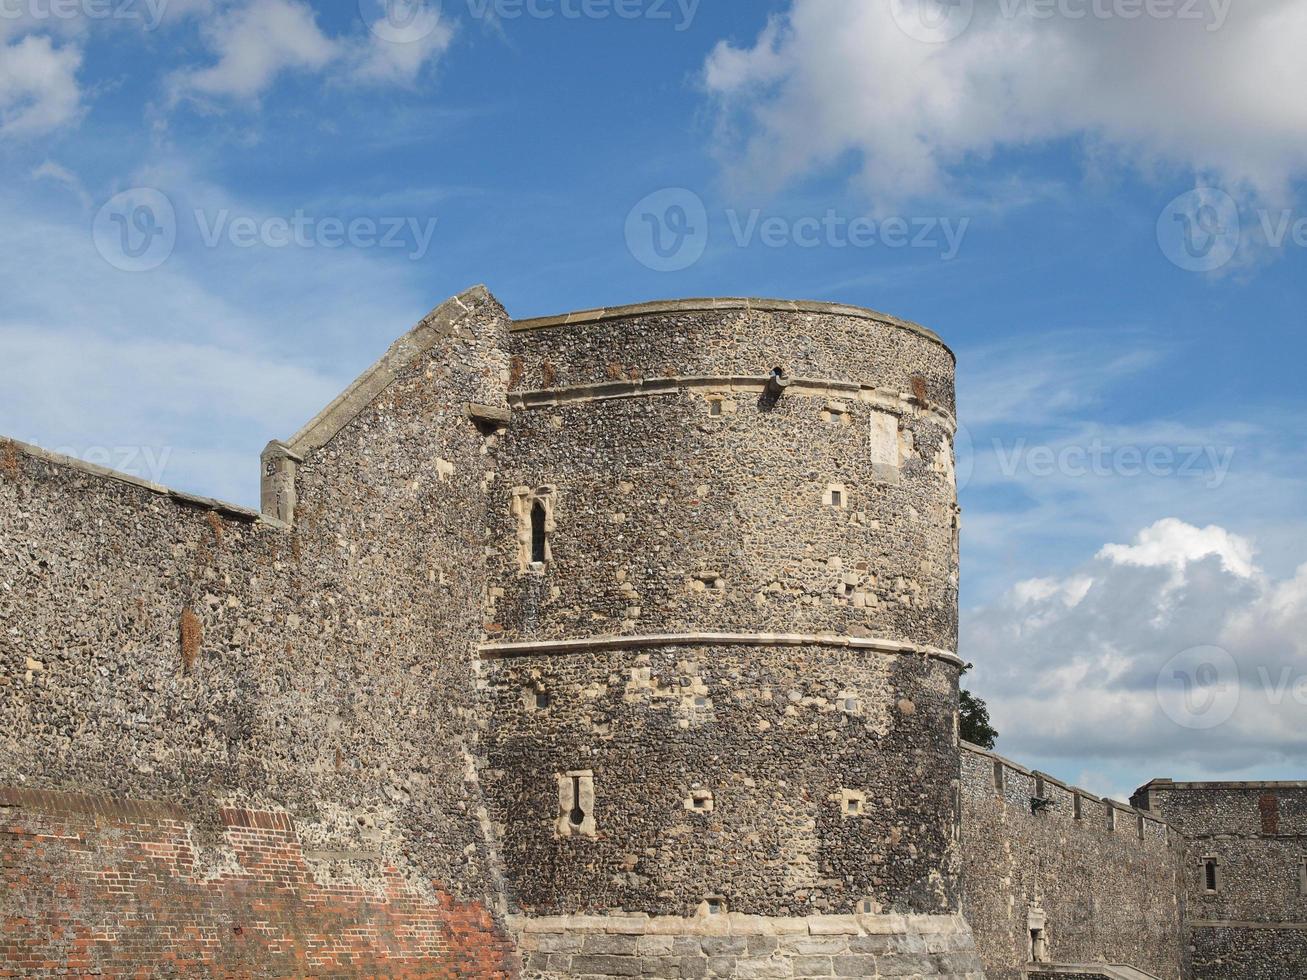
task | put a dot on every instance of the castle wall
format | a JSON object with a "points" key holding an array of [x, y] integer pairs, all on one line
{"points": [[736, 643], [1101, 893], [165, 649], [1253, 926]]}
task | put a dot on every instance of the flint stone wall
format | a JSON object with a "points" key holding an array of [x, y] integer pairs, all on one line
{"points": [[686, 502], [165, 648], [1107, 894], [1254, 926]]}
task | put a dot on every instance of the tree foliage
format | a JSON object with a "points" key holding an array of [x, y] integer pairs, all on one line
{"points": [[975, 726]]}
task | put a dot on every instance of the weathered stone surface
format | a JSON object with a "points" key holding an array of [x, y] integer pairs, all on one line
{"points": [[1102, 893]]}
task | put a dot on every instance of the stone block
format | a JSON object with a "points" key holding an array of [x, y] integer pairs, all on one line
{"points": [[855, 965], [813, 966], [606, 966]]}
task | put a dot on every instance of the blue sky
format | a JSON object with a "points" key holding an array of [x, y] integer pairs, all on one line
{"points": [[1132, 400]]}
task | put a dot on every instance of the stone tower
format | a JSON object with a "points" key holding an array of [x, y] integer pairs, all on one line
{"points": [[719, 676]]}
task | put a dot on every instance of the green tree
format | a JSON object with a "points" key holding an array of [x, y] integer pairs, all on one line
{"points": [[974, 720]]}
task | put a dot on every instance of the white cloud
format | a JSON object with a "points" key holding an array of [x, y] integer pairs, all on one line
{"points": [[260, 40], [38, 86], [1175, 544], [832, 78], [1091, 680], [50, 170], [254, 44], [398, 54]]}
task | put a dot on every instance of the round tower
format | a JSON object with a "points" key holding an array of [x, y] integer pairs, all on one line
{"points": [[722, 613]]}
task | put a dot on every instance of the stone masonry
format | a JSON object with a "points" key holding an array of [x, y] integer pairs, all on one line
{"points": [[621, 643]]}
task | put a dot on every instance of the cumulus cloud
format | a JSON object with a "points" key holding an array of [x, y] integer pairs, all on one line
{"points": [[254, 44], [400, 47], [1215, 93], [1175, 544], [258, 41], [1171, 655], [38, 86]]}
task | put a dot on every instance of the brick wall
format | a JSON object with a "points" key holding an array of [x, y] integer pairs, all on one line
{"points": [[116, 888]]}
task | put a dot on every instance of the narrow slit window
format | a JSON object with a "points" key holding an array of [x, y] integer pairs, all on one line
{"points": [[998, 777], [538, 533], [576, 815], [837, 498], [1302, 879], [1211, 875], [576, 804], [1079, 806]]}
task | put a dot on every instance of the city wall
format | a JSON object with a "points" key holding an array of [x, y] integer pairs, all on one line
{"points": [[1097, 880]]}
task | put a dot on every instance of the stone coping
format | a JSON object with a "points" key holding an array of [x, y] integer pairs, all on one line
{"points": [[738, 924], [809, 387], [441, 322], [504, 650], [234, 511], [1064, 786], [1169, 784], [713, 304]]}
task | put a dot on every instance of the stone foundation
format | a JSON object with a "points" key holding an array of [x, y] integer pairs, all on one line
{"points": [[732, 945]]}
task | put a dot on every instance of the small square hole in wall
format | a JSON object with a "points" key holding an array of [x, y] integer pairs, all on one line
{"points": [[700, 801], [715, 407], [851, 706], [543, 700], [853, 803], [868, 906], [713, 905], [837, 496]]}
